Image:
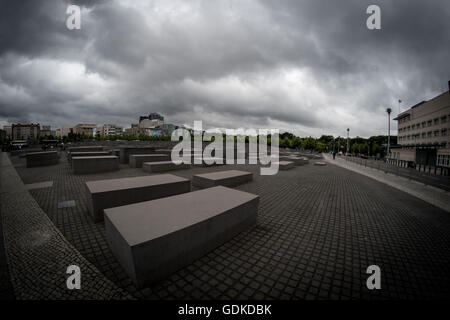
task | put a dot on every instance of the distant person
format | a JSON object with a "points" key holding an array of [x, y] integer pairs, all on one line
{"points": [[334, 155]]}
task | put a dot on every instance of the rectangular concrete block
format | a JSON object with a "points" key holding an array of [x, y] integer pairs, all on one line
{"points": [[39, 159], [286, 165], [136, 160], [228, 178], [87, 165], [85, 149], [162, 166], [299, 161], [125, 152], [86, 154], [153, 239], [111, 193]]}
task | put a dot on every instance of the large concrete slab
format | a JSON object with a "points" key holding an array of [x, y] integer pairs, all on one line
{"points": [[85, 149], [228, 178], [299, 161], [111, 193], [40, 159], [153, 239], [136, 160], [87, 165], [286, 165], [163, 166], [125, 152], [87, 154]]}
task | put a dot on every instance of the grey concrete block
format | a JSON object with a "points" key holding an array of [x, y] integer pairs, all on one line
{"points": [[153, 239], [111, 193], [86, 165], [85, 149], [136, 160], [125, 152], [286, 165], [162, 166], [299, 161], [86, 154], [228, 178], [39, 159]]}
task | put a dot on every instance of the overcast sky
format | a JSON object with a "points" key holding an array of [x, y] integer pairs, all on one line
{"points": [[307, 66]]}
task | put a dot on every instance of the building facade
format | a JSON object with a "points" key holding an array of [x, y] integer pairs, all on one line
{"points": [[46, 131], [62, 132], [87, 129], [25, 131], [109, 129], [424, 133], [8, 131]]}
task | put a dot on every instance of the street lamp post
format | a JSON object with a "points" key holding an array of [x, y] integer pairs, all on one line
{"points": [[389, 110], [348, 140]]}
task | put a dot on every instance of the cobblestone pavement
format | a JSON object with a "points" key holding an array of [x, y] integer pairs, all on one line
{"points": [[318, 230], [38, 254]]}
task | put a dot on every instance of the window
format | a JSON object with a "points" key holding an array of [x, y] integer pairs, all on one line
{"points": [[436, 133], [429, 134], [443, 132], [443, 160], [424, 124], [413, 127], [409, 128], [418, 125], [444, 119], [430, 123], [424, 135], [436, 121]]}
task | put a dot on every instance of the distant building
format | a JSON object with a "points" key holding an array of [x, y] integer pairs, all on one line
{"points": [[62, 132], [8, 131], [87, 129], [46, 131], [424, 132], [169, 128], [2, 136], [25, 131], [156, 116], [109, 129], [151, 121]]}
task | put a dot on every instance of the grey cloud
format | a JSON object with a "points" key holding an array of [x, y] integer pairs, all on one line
{"points": [[177, 58]]}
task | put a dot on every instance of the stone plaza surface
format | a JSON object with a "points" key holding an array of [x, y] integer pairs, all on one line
{"points": [[318, 230]]}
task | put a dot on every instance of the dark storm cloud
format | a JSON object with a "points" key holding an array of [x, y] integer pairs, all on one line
{"points": [[303, 65]]}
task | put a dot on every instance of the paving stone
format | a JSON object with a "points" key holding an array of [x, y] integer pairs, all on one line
{"points": [[322, 224]]}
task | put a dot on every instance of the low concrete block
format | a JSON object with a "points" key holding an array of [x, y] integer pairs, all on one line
{"points": [[40, 159], [298, 161], [162, 166], [85, 149], [23, 153], [228, 178], [118, 192], [206, 162], [125, 152], [136, 160], [286, 165], [320, 163], [87, 154], [153, 239], [87, 165]]}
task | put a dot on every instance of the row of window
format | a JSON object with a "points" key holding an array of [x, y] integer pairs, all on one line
{"points": [[443, 160], [424, 135], [423, 124]]}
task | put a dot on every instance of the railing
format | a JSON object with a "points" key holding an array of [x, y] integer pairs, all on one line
{"points": [[431, 175]]}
